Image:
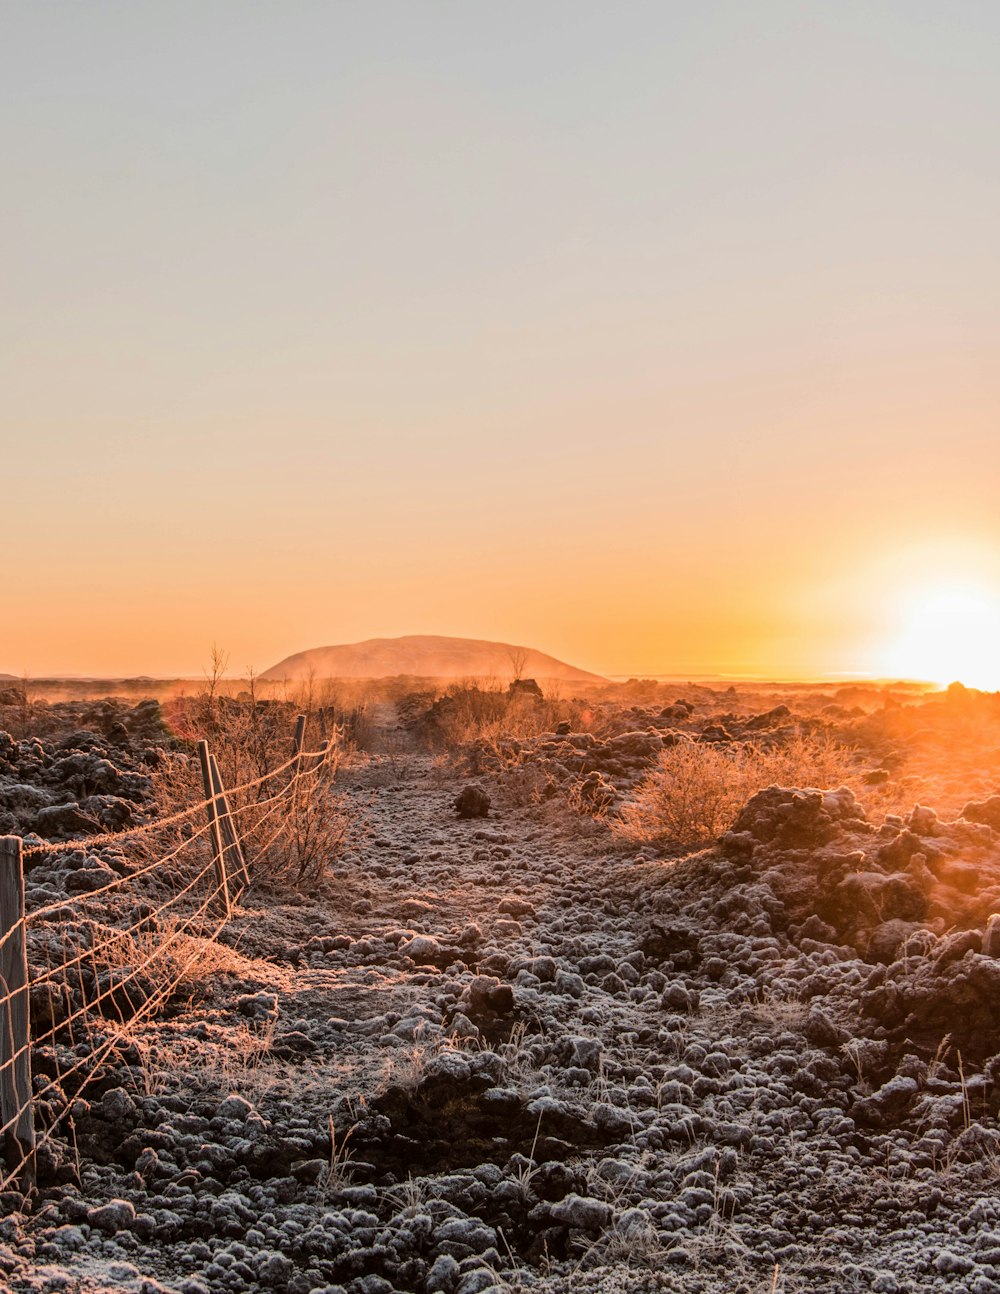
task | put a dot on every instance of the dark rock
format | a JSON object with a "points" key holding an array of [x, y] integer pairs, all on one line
{"points": [[309, 1171], [292, 1046], [886, 940], [472, 802], [426, 950], [986, 812], [596, 792], [770, 719], [880, 898], [486, 996], [885, 1107], [258, 1006], [821, 1029], [111, 811], [83, 739], [896, 853], [118, 1107], [792, 818], [664, 940], [953, 947], [61, 820], [585, 1214], [925, 1002], [118, 734], [116, 1215], [814, 928], [641, 746]]}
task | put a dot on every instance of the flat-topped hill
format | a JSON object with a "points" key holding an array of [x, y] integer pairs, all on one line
{"points": [[426, 656]]}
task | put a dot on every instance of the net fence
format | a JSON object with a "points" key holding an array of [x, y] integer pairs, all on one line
{"points": [[79, 971]]}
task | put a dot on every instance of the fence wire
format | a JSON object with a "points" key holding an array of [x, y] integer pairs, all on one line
{"points": [[102, 961]]}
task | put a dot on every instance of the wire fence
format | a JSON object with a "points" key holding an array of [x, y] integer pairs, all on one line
{"points": [[79, 972]]}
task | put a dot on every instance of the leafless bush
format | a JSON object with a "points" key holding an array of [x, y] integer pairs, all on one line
{"points": [[313, 829], [292, 819], [491, 716], [697, 789]]}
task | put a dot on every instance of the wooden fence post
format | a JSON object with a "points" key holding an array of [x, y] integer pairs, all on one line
{"points": [[231, 837], [299, 739], [15, 1054], [212, 808]]}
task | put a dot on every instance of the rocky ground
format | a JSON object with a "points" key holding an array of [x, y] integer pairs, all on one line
{"points": [[501, 1053]]}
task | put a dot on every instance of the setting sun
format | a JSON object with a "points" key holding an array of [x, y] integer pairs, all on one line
{"points": [[949, 634]]}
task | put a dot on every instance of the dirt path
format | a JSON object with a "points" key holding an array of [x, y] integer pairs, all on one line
{"points": [[461, 1065]]}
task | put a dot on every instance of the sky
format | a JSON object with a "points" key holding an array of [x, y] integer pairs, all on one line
{"points": [[660, 336]]}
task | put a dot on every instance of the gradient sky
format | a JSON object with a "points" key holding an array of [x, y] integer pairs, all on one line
{"points": [[659, 336]]}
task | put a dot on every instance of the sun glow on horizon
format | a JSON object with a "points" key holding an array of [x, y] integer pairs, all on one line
{"points": [[948, 633]]}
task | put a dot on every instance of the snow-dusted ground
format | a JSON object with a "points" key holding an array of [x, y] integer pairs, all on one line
{"points": [[503, 1054]]}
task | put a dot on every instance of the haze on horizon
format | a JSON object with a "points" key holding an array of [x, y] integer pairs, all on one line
{"points": [[662, 338]]}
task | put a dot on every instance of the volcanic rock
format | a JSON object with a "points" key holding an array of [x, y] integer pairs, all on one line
{"points": [[472, 802]]}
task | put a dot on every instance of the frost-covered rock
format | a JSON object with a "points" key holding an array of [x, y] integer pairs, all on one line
{"points": [[585, 1214]]}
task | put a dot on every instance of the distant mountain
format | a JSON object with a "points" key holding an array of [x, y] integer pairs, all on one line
{"points": [[426, 656]]}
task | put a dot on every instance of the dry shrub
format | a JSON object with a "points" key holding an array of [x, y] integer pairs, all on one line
{"points": [[490, 730], [492, 716], [249, 734], [312, 830], [696, 789], [293, 821]]}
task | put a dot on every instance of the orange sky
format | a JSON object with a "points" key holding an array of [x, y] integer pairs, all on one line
{"points": [[660, 339]]}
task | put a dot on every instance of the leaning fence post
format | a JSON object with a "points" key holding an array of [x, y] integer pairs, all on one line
{"points": [[212, 808], [231, 836], [15, 1052]]}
